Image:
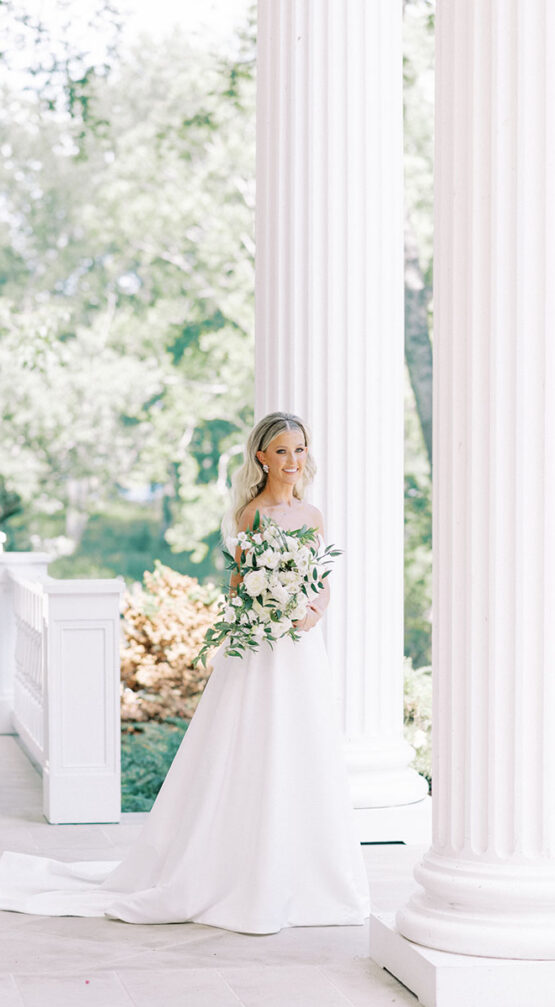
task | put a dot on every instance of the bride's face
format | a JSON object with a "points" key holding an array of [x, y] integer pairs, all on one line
{"points": [[285, 457]]}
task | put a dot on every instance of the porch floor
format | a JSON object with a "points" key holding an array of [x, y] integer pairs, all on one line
{"points": [[48, 961]]}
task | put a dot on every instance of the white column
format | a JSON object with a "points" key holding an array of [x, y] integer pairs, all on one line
{"points": [[31, 566], [489, 878], [329, 341]]}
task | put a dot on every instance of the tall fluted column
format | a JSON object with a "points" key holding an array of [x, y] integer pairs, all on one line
{"points": [[489, 877], [329, 339]]}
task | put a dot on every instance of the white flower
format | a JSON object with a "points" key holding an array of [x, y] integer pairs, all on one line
{"points": [[261, 612], [419, 739], [292, 543], [257, 538], [229, 613], [289, 577], [299, 612], [244, 618], [284, 625], [236, 601], [242, 536], [255, 582], [258, 633], [302, 559], [269, 558], [280, 593]]}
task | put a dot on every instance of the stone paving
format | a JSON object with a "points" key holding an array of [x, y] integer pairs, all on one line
{"points": [[70, 962]]}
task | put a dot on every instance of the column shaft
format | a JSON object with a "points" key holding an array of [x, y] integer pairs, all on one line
{"points": [[329, 334], [489, 878]]}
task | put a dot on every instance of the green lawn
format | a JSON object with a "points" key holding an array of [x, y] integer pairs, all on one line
{"points": [[146, 756]]}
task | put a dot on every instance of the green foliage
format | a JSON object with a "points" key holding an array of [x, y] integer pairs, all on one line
{"points": [[126, 332], [147, 752], [418, 99], [418, 716], [418, 539], [127, 278], [418, 73]]}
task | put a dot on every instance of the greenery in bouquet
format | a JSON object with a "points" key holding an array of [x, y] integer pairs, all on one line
{"points": [[282, 569]]}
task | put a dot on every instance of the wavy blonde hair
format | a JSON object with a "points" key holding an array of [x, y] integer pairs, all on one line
{"points": [[250, 478]]}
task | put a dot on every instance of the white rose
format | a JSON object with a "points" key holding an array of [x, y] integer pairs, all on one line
{"points": [[284, 625], [255, 582], [299, 612], [292, 543], [260, 611], [280, 594], [257, 538], [289, 577], [302, 559], [269, 558]]}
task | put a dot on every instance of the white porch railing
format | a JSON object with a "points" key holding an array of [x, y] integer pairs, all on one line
{"points": [[29, 607], [59, 684]]}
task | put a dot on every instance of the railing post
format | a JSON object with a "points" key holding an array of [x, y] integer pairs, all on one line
{"points": [[81, 774], [29, 566]]}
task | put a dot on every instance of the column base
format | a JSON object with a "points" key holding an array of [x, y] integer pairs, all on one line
{"points": [[493, 909], [443, 979], [406, 823], [380, 773]]}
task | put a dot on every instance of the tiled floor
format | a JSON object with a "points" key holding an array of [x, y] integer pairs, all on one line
{"points": [[70, 962]]}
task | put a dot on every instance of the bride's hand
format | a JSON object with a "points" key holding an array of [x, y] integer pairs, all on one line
{"points": [[310, 619]]}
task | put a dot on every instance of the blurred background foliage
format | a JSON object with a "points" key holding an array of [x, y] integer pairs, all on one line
{"points": [[127, 294]]}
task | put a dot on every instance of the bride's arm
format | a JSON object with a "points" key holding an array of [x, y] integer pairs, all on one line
{"points": [[237, 577]]}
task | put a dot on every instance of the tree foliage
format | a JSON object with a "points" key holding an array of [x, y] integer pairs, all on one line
{"points": [[126, 330], [127, 282]]}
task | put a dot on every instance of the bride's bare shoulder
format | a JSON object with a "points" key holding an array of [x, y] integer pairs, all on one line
{"points": [[315, 518], [247, 514]]}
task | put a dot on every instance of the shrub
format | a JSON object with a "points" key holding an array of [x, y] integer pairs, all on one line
{"points": [[147, 751], [418, 716], [164, 622]]}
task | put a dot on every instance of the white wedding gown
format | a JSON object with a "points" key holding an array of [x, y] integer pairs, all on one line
{"points": [[253, 828]]}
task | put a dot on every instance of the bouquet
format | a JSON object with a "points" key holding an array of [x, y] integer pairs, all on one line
{"points": [[281, 569]]}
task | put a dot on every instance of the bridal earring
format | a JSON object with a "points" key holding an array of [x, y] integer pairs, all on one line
{"points": [[265, 467]]}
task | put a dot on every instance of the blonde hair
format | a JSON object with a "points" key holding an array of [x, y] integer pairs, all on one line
{"points": [[250, 478]]}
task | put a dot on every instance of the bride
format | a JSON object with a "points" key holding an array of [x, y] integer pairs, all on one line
{"points": [[253, 829]]}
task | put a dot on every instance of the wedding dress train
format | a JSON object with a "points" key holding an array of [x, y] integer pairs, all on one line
{"points": [[253, 829]]}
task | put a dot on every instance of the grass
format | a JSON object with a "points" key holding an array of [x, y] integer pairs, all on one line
{"points": [[147, 752]]}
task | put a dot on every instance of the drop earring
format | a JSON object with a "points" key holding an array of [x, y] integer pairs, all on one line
{"points": [[265, 467]]}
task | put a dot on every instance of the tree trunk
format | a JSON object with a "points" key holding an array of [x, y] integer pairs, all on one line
{"points": [[418, 348]]}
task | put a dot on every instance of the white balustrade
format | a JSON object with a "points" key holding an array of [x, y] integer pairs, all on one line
{"points": [[59, 672], [28, 711]]}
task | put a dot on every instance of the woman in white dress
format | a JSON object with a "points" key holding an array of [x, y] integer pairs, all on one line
{"points": [[253, 829]]}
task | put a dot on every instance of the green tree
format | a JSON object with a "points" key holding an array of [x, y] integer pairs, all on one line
{"points": [[128, 361]]}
